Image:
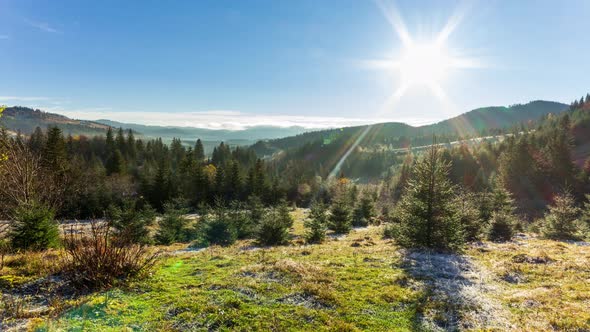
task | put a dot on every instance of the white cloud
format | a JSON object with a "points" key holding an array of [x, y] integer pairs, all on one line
{"points": [[43, 26], [230, 120], [210, 119], [23, 98]]}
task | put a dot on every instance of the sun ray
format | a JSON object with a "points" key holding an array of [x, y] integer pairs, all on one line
{"points": [[340, 162], [394, 18], [392, 100], [453, 22]]}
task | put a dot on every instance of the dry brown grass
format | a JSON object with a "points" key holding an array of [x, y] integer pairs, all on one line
{"points": [[545, 284]]}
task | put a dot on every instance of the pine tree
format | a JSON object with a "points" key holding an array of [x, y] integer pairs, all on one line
{"points": [[220, 182], [160, 188], [216, 228], [130, 146], [34, 227], [37, 140], [120, 143], [110, 142], [316, 223], [562, 220], [174, 226], [340, 220], [199, 151], [500, 227], [177, 153], [364, 212], [240, 217], [501, 199], [200, 183], [116, 163], [559, 149], [427, 214], [54, 152], [256, 209], [234, 181], [284, 216], [130, 223], [273, 229], [469, 216]]}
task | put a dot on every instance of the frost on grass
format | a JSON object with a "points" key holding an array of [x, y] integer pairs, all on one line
{"points": [[457, 293], [31, 300]]}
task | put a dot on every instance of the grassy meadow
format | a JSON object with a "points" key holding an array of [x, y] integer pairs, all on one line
{"points": [[357, 282]]}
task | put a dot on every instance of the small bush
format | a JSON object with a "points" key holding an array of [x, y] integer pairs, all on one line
{"points": [[97, 262], [316, 223], [501, 227], [34, 228], [273, 229], [174, 226]]}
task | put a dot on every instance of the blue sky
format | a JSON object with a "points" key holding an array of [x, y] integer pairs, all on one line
{"points": [[238, 63]]}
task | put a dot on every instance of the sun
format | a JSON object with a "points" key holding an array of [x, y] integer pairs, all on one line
{"points": [[423, 64]]}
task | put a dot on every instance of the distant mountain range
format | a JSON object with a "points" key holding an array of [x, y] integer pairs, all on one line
{"points": [[25, 120], [191, 133], [472, 123]]}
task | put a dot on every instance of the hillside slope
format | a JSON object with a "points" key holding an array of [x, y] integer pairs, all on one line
{"points": [[26, 119], [475, 122]]}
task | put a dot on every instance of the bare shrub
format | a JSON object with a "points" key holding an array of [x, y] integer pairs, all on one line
{"points": [[25, 179], [96, 261]]}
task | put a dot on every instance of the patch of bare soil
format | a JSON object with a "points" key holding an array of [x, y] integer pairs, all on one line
{"points": [[458, 293]]}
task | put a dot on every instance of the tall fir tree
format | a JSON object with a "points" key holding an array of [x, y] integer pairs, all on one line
{"points": [[199, 151], [54, 151], [428, 217], [340, 219]]}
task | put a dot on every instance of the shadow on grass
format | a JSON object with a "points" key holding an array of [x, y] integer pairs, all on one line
{"points": [[453, 293]]}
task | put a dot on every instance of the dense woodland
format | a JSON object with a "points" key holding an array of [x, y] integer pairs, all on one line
{"points": [[78, 177]]}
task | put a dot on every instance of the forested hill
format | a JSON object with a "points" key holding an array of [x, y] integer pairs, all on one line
{"points": [[481, 121], [496, 117], [474, 123], [25, 120]]}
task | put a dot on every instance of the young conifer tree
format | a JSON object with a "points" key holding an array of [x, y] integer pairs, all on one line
{"points": [[428, 217], [316, 223]]}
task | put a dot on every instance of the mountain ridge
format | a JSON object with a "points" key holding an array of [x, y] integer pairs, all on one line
{"points": [[25, 120]]}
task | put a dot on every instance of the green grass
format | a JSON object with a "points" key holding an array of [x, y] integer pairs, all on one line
{"points": [[334, 286], [356, 283]]}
